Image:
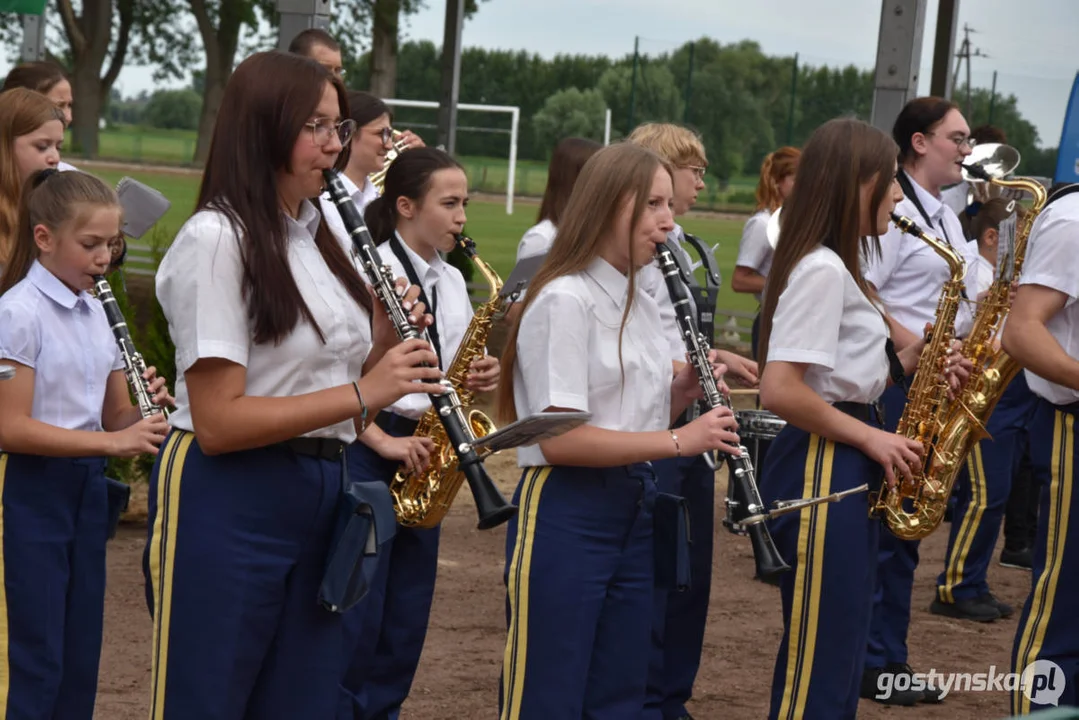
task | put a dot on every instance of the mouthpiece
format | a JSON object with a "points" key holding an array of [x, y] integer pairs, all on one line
{"points": [[976, 170]]}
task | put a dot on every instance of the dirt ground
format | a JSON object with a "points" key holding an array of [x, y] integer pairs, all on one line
{"points": [[458, 674]]}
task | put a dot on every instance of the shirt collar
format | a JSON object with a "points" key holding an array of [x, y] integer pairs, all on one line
{"points": [[423, 269], [307, 221], [52, 288], [932, 205], [613, 283]]}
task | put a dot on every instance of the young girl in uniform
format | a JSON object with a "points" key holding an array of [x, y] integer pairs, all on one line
{"points": [[825, 367], [31, 132], [754, 250], [579, 558], [64, 411], [282, 361], [418, 217], [44, 77]]}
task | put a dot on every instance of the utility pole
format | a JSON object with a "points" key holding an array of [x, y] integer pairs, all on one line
{"points": [[964, 55], [633, 83], [451, 74]]}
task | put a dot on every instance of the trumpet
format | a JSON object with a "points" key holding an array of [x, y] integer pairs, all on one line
{"points": [[378, 179]]}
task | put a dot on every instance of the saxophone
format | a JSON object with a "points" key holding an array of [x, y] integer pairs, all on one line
{"points": [[965, 419], [914, 505], [421, 500], [378, 178]]}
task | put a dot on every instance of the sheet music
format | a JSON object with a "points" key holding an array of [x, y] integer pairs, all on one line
{"points": [[143, 206]]}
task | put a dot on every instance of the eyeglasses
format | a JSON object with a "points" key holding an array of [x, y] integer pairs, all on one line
{"points": [[698, 171], [322, 130], [959, 140], [386, 134]]}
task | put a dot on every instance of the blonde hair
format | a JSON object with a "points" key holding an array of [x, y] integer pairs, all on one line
{"points": [[613, 176], [22, 112], [776, 166], [678, 145]]}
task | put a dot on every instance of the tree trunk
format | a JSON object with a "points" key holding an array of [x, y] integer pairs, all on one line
{"points": [[85, 91], [384, 48], [220, 44]]}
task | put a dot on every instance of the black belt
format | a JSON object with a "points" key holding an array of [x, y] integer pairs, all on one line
{"points": [[396, 425], [325, 448], [866, 412]]}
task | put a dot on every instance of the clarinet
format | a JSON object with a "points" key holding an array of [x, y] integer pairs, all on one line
{"points": [[493, 508], [134, 366], [739, 469]]}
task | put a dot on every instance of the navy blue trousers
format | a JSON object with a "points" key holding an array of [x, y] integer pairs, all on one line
{"points": [[983, 495], [827, 595], [384, 633], [679, 618], [1048, 631], [237, 548], [579, 586], [896, 561], [52, 570]]}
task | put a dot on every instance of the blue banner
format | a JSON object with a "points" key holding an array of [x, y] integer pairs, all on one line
{"points": [[1068, 154]]}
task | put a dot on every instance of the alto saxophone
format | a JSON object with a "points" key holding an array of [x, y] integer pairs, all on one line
{"points": [[422, 500], [966, 418], [914, 505]]}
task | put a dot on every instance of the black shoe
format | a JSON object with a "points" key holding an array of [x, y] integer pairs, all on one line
{"points": [[1005, 610], [1022, 559], [976, 609], [931, 695], [885, 693]]}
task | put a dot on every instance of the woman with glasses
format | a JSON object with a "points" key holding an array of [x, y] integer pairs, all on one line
{"points": [[933, 139], [281, 360]]}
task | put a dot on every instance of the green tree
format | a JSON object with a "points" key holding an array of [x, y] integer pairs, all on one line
{"points": [[173, 110], [570, 113]]}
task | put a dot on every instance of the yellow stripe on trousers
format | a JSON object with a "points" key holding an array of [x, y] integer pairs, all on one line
{"points": [[805, 607], [5, 666], [1045, 590], [968, 527], [517, 587], [162, 559]]}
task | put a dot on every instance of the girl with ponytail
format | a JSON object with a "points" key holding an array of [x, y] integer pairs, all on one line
{"points": [[415, 221]]}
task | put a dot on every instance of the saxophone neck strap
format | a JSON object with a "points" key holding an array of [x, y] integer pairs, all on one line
{"points": [[398, 249], [895, 366], [909, 191]]}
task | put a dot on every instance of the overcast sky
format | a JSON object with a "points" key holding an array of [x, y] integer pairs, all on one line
{"points": [[1032, 44]]}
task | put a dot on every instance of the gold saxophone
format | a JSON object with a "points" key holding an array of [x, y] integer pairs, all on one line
{"points": [[422, 500], [378, 179], [914, 504]]}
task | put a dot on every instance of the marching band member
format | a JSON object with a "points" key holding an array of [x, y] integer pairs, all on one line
{"points": [[579, 554], [679, 617], [1041, 336], [823, 342], [272, 326], [66, 409], [754, 250], [933, 138], [569, 156], [321, 47], [47, 78], [31, 132], [418, 216]]}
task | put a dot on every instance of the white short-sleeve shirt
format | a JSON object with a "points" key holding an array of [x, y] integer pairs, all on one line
{"points": [[568, 355], [65, 337], [537, 240], [362, 197], [453, 312], [824, 319], [199, 288], [909, 275], [754, 250], [1052, 250], [651, 280]]}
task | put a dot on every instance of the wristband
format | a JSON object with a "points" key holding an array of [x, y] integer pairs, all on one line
{"points": [[363, 406], [677, 445]]}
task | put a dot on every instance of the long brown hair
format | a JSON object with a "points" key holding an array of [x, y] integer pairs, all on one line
{"points": [[569, 156], [53, 199], [776, 166], [40, 77], [268, 99], [824, 207], [22, 111], [615, 175]]}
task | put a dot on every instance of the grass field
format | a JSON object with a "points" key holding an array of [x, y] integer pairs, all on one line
{"points": [[496, 233]]}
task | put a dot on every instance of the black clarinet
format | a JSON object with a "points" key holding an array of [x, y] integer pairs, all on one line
{"points": [[134, 366], [493, 509], [747, 504]]}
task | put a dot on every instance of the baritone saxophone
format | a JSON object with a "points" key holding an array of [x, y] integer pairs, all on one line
{"points": [[422, 499]]}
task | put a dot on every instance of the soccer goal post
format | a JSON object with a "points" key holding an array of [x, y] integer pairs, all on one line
{"points": [[515, 116]]}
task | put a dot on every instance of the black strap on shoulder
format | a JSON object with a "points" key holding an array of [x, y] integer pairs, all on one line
{"points": [[895, 366], [410, 272], [908, 191], [1059, 191]]}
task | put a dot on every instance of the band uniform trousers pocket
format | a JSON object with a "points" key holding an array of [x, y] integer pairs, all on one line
{"points": [[365, 522], [119, 495], [671, 538]]}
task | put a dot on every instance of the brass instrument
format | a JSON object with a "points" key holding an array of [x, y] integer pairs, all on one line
{"points": [[914, 507], [423, 500], [378, 179]]}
